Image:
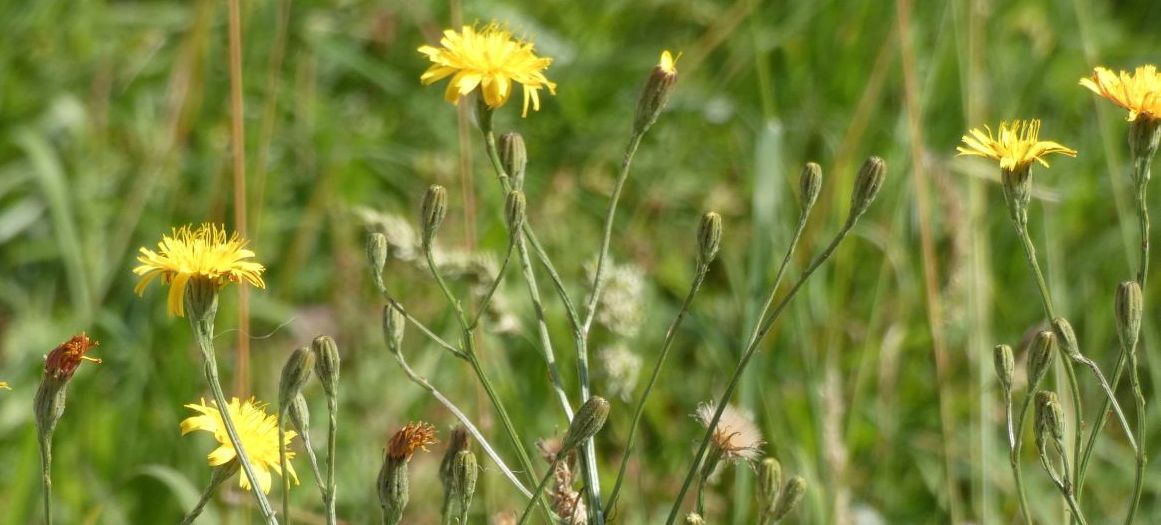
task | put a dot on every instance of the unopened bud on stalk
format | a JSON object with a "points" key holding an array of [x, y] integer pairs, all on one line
{"points": [[589, 419], [514, 157], [300, 417], [769, 485], [1005, 366], [790, 497], [394, 324], [694, 518], [709, 238], [655, 95], [1040, 357], [810, 185], [1049, 418], [514, 209], [1127, 310], [464, 472], [295, 374], [1067, 337], [326, 363], [377, 254], [432, 212], [393, 489], [867, 185]]}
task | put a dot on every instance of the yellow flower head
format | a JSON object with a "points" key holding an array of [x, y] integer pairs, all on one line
{"points": [[668, 62], [489, 59], [4, 385], [204, 252], [1016, 146], [257, 431], [1139, 92]]}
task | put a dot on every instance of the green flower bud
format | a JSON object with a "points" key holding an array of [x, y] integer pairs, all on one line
{"points": [[867, 185], [1127, 310], [709, 238], [655, 95], [326, 364], [300, 417], [589, 419], [1040, 357], [768, 486], [1005, 366], [432, 212], [377, 254], [515, 208], [295, 374], [458, 442], [464, 472], [49, 405], [810, 185], [394, 323], [514, 157], [790, 497], [1049, 419], [1067, 337], [393, 489]]}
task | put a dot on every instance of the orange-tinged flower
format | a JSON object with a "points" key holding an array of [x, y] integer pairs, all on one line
{"points": [[257, 431], [735, 436], [490, 60], [62, 361], [1016, 145], [417, 435], [204, 252], [1139, 91]]}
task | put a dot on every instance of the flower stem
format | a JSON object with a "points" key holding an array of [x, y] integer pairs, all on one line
{"points": [[282, 465], [46, 474], [332, 441], [1139, 477], [536, 493]]}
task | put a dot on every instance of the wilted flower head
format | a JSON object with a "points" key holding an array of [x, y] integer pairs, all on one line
{"points": [[1016, 146], [417, 435], [63, 360], [620, 367], [489, 59], [736, 436], [1139, 91], [257, 431], [202, 252]]}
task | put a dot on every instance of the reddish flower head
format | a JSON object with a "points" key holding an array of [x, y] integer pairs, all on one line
{"points": [[63, 360], [416, 435]]}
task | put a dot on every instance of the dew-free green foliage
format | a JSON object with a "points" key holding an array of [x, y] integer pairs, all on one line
{"points": [[114, 127]]}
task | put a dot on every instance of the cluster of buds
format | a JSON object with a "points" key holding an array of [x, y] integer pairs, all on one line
{"points": [[775, 499], [458, 473]]}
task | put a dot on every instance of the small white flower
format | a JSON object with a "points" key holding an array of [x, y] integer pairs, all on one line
{"points": [[620, 368], [736, 436], [621, 305]]}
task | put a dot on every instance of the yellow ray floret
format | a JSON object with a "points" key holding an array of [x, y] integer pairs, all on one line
{"points": [[668, 62], [258, 432], [1139, 91], [1016, 145], [4, 385], [204, 252], [489, 59]]}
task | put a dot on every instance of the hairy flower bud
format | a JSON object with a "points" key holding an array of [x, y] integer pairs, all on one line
{"points": [[394, 324], [768, 486], [709, 238], [393, 489], [1049, 419], [589, 419], [790, 496], [464, 471], [867, 185], [300, 417], [326, 363], [810, 185], [514, 157], [515, 208], [1067, 337], [1127, 310], [377, 255], [655, 95], [1040, 357], [432, 212], [1005, 366], [295, 374]]}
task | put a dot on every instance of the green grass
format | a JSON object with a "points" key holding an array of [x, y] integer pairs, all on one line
{"points": [[114, 127]]}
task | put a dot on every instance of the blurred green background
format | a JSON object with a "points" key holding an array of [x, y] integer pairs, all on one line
{"points": [[114, 127]]}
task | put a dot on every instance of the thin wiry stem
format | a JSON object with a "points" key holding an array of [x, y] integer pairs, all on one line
{"points": [[46, 475], [332, 445], [536, 493], [282, 464]]}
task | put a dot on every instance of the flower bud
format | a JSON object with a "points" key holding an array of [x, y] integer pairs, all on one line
{"points": [[514, 209], [1127, 310], [1040, 357], [810, 185], [295, 374], [1017, 184], [464, 472], [377, 254], [326, 364], [300, 417], [49, 406], [394, 323], [1005, 366], [709, 238], [1067, 337], [867, 185], [1049, 418], [790, 497], [769, 484], [393, 489], [514, 157], [432, 212], [655, 95], [589, 419], [458, 442], [694, 518]]}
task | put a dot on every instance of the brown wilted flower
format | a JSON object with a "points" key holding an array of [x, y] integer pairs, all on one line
{"points": [[416, 435], [736, 436], [63, 360]]}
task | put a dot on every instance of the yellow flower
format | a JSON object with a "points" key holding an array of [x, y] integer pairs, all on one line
{"points": [[257, 431], [489, 59], [668, 62], [1016, 146], [4, 385], [1139, 92], [204, 252]]}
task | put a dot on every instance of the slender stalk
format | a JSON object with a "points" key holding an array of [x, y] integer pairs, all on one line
{"points": [[417, 323], [1014, 454], [332, 441], [542, 329], [761, 332], [46, 475], [487, 299], [1143, 219], [1090, 445], [1139, 475], [197, 510], [282, 465], [536, 494], [219, 475], [318, 478]]}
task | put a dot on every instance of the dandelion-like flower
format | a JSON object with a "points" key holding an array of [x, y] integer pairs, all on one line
{"points": [[489, 59], [736, 436], [1016, 145], [202, 252], [257, 431], [1139, 91], [4, 385], [62, 362], [416, 435]]}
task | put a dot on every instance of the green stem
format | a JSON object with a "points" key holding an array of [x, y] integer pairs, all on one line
{"points": [[332, 441], [282, 465], [542, 330], [219, 475], [536, 493], [46, 475], [318, 478], [1014, 453], [1090, 446], [761, 332], [487, 299], [1139, 477]]}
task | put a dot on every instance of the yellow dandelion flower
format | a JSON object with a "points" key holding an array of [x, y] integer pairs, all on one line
{"points": [[4, 385], [1139, 91], [736, 436], [489, 59], [204, 252], [1016, 146], [258, 432]]}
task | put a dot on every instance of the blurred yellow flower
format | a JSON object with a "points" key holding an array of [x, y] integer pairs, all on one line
{"points": [[204, 252], [4, 385], [257, 431], [1016, 146], [489, 59], [668, 62], [1139, 92]]}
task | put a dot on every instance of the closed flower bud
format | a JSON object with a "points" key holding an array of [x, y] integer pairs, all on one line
{"points": [[655, 95], [694, 518], [810, 185], [1040, 357], [377, 254], [393, 489], [295, 374], [1067, 337], [394, 324], [514, 157], [432, 212], [589, 419], [867, 185], [458, 442], [514, 209], [464, 472], [769, 485], [709, 238], [1049, 417], [790, 497], [49, 405], [326, 363], [1127, 310], [1005, 366], [300, 417]]}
